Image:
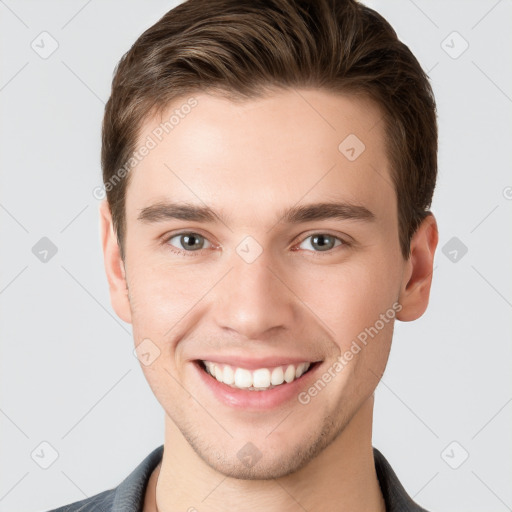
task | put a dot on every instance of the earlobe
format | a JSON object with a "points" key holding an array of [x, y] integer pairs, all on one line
{"points": [[114, 265], [417, 279]]}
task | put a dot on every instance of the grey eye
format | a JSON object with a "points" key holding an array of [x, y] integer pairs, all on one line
{"points": [[322, 242], [189, 241]]}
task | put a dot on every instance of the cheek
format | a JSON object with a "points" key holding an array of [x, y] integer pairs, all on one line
{"points": [[165, 300], [350, 297], [162, 303], [355, 302]]}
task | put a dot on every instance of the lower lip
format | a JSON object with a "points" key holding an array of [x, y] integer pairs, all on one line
{"points": [[256, 400]]}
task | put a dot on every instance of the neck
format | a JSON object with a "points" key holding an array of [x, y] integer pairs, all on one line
{"points": [[342, 477]]}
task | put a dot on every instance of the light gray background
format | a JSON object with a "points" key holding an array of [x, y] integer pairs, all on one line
{"points": [[68, 374]]}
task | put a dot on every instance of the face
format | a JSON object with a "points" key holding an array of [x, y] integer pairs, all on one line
{"points": [[261, 235]]}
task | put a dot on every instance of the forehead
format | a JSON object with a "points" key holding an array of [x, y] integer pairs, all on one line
{"points": [[258, 155]]}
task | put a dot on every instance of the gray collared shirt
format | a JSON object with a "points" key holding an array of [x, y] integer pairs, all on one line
{"points": [[129, 495]]}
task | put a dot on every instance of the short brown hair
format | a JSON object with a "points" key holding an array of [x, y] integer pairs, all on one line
{"points": [[243, 48]]}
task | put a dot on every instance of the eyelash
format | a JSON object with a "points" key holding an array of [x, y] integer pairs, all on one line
{"points": [[165, 242]]}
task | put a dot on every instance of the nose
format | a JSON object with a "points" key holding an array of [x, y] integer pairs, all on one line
{"points": [[254, 300]]}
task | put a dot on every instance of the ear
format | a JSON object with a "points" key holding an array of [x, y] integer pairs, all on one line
{"points": [[114, 265], [417, 277]]}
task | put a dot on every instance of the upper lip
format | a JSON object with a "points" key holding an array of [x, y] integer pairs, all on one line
{"points": [[255, 363]]}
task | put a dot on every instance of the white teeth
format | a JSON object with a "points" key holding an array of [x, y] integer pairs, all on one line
{"points": [[277, 376], [219, 373], [257, 380], [243, 378], [261, 378], [289, 374], [228, 375], [301, 369]]}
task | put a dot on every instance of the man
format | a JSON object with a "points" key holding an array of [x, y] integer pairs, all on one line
{"points": [[269, 166]]}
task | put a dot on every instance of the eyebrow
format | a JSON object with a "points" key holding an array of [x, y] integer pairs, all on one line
{"points": [[163, 211]]}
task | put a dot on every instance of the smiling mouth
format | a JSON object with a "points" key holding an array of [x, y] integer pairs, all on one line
{"points": [[261, 379]]}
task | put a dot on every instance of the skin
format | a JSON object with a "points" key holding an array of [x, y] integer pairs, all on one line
{"points": [[249, 160]]}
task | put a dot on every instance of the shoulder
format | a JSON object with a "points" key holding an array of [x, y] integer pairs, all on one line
{"points": [[101, 502], [128, 496], [395, 495]]}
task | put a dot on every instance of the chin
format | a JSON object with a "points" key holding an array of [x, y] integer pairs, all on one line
{"points": [[265, 459]]}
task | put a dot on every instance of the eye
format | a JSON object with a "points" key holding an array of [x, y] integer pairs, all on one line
{"points": [[191, 244], [322, 242], [188, 242]]}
